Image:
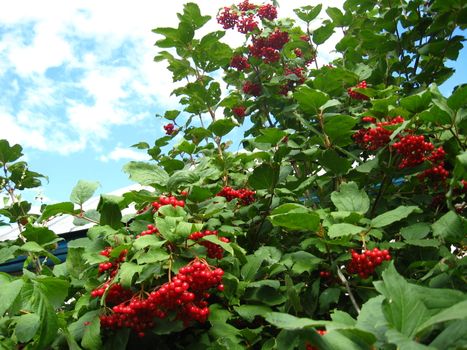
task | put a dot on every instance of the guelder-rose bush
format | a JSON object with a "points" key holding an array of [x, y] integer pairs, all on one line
{"points": [[339, 223]]}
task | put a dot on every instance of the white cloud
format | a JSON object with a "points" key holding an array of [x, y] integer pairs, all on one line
{"points": [[120, 153]]}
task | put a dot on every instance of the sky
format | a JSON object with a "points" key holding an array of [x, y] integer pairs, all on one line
{"points": [[79, 84]]}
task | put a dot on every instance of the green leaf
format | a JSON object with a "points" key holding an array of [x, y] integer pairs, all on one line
{"points": [[192, 14], [394, 215], [83, 191], [222, 127], [264, 176], [455, 312], [181, 178], [56, 209], [148, 241], [416, 103], [331, 160], [404, 342], [7, 253], [350, 198], [9, 153], [32, 247], [271, 136], [310, 100], [8, 294], [40, 235], [454, 336], [404, 311], [344, 229], [56, 289], [49, 321], [146, 173], [459, 98], [286, 321], [308, 13], [294, 217], [323, 33], [110, 213], [153, 255], [416, 231], [301, 261], [250, 269], [127, 272], [249, 312], [92, 335], [339, 129], [292, 294], [214, 239], [327, 297], [199, 194], [372, 319], [449, 227], [26, 327]]}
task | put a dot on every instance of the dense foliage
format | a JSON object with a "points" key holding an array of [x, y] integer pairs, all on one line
{"points": [[340, 224]]}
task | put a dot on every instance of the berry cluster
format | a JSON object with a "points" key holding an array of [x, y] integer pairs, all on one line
{"points": [[268, 48], [311, 347], [240, 63], [374, 138], [325, 274], [111, 265], [239, 111], [185, 295], [369, 119], [243, 16], [169, 129], [244, 195], [115, 294], [357, 95], [164, 200], [268, 12], [296, 77], [150, 231], [214, 251], [251, 88], [413, 149], [437, 171], [364, 264]]}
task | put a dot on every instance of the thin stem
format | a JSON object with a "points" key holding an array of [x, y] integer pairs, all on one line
{"points": [[349, 291]]}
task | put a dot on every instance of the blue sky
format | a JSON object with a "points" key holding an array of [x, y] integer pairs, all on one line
{"points": [[79, 85]]}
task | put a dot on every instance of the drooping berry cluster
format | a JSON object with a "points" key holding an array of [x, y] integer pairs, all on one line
{"points": [[244, 16], [185, 296], [214, 251], [115, 294], [268, 48], [150, 231], [113, 264], [368, 119], [244, 195], [164, 200], [240, 63], [251, 88], [374, 138], [325, 274], [311, 347], [295, 77], [169, 129], [358, 95], [413, 149], [239, 111], [364, 264], [437, 171]]}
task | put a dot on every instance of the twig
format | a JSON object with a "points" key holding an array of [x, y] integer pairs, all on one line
{"points": [[349, 291]]}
